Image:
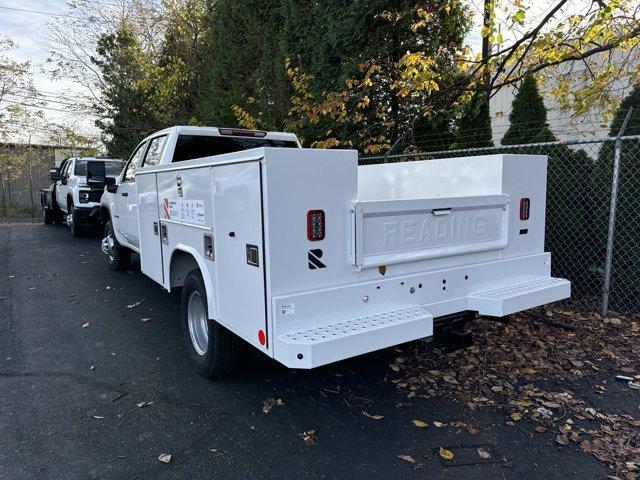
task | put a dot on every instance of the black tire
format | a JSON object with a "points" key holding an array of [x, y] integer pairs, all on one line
{"points": [[48, 216], [74, 228], [119, 256], [224, 350]]}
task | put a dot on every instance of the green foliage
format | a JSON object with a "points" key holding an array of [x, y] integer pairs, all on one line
{"points": [[528, 117], [626, 270], [474, 127], [333, 46], [128, 114]]}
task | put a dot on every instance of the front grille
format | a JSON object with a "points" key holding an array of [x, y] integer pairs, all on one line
{"points": [[95, 195]]}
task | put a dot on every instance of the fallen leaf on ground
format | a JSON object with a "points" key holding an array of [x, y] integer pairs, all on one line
{"points": [[145, 319], [516, 416], [562, 439], [164, 457], [446, 454], [375, 417], [438, 424], [85, 325], [420, 423], [309, 437], [146, 403], [483, 453], [269, 403], [472, 430], [407, 458]]}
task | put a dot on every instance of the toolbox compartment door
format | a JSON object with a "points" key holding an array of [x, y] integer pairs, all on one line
{"points": [[239, 250], [386, 232]]}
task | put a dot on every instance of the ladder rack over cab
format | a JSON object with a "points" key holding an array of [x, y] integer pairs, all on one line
{"points": [[313, 259]]}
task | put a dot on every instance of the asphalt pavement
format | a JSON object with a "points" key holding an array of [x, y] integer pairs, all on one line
{"points": [[77, 360]]}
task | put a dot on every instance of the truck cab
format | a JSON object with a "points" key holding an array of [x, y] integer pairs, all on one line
{"points": [[70, 198], [119, 203]]}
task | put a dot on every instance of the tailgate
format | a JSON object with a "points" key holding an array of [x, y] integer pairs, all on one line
{"points": [[386, 232]]}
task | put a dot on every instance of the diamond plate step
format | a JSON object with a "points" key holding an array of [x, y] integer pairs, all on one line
{"points": [[519, 296], [351, 337]]}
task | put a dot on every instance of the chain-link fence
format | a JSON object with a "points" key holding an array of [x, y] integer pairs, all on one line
{"points": [[579, 203]]}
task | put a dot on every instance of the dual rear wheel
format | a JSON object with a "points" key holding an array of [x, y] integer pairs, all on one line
{"points": [[214, 350]]}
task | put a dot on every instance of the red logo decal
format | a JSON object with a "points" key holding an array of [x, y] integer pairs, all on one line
{"points": [[165, 209]]}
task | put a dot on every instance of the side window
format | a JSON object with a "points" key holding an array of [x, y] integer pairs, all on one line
{"points": [[154, 153], [63, 167], [67, 169], [134, 163]]}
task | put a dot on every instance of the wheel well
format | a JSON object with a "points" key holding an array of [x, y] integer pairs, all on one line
{"points": [[105, 216], [181, 264]]}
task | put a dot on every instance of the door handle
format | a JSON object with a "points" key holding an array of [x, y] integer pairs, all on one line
{"points": [[125, 194], [441, 211]]}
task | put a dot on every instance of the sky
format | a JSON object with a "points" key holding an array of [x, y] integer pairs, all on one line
{"points": [[27, 29]]}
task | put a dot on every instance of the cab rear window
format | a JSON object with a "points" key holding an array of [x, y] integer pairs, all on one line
{"points": [[189, 147], [112, 169]]}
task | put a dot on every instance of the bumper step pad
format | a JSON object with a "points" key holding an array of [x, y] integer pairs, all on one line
{"points": [[519, 296], [353, 336]]}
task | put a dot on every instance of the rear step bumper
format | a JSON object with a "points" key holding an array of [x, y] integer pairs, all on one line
{"points": [[348, 337], [354, 336], [509, 299]]}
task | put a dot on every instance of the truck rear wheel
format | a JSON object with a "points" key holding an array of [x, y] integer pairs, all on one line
{"points": [[48, 216], [215, 351], [72, 221], [119, 256]]}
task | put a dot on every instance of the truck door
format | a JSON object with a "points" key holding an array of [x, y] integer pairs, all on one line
{"points": [[63, 189], [126, 201], [148, 214], [237, 202]]}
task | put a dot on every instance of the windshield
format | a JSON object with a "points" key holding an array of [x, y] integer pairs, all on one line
{"points": [[112, 169], [189, 147]]}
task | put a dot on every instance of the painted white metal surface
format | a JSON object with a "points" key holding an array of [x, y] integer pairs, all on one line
{"points": [[396, 231], [151, 262], [237, 200], [446, 237], [519, 296], [349, 337]]}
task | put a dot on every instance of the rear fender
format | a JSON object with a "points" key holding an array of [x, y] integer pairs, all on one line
{"points": [[206, 275]]}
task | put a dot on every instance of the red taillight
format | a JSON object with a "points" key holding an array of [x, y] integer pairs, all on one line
{"points": [[525, 208], [239, 132], [315, 225]]}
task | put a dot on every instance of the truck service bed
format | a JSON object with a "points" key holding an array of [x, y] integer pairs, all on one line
{"points": [[313, 259]]}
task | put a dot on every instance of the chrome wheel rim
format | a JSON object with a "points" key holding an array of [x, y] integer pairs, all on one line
{"points": [[108, 244], [198, 323]]}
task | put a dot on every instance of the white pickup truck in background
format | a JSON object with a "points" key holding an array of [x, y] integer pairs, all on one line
{"points": [[312, 259], [70, 198]]}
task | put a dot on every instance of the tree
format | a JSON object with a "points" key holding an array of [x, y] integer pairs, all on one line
{"points": [[129, 82], [528, 117], [474, 127], [15, 79], [368, 100], [626, 257]]}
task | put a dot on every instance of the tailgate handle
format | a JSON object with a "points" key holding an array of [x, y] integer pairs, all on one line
{"points": [[441, 211]]}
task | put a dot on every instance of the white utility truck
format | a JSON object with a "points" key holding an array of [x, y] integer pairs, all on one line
{"points": [[312, 259], [73, 198]]}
